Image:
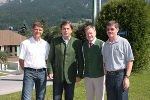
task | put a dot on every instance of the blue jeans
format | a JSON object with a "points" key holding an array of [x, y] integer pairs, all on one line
{"points": [[31, 78], [58, 90], [114, 87]]}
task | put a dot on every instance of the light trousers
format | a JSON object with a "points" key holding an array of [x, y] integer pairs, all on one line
{"points": [[95, 87]]}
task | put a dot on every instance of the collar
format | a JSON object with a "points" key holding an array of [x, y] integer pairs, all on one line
{"points": [[66, 40], [116, 41], [32, 38], [93, 40]]}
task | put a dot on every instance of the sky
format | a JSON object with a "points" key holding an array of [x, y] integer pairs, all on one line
{"points": [[3, 1]]}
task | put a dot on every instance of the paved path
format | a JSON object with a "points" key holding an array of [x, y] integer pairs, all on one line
{"points": [[12, 83]]}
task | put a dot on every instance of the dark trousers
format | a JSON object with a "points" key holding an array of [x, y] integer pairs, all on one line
{"points": [[114, 87], [58, 90]]}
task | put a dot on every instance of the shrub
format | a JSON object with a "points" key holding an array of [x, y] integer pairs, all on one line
{"points": [[133, 16], [3, 57]]}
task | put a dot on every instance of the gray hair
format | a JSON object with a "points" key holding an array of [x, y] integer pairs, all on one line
{"points": [[88, 27], [113, 22]]}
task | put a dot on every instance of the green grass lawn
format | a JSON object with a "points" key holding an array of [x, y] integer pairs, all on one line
{"points": [[140, 86], [2, 74], [139, 89]]}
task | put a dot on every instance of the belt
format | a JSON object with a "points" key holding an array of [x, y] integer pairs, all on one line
{"points": [[36, 70], [115, 72]]}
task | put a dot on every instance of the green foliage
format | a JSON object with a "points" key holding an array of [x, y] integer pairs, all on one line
{"points": [[46, 34], [25, 29], [3, 57], [133, 16], [53, 11], [53, 33]]}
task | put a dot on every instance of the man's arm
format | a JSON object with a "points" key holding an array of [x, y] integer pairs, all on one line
{"points": [[126, 82], [104, 64], [80, 62], [105, 71], [129, 68], [50, 60], [21, 62]]}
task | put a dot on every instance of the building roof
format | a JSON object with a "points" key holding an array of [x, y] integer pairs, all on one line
{"points": [[8, 37]]}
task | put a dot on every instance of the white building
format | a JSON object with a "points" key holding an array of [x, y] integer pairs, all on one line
{"points": [[10, 43]]}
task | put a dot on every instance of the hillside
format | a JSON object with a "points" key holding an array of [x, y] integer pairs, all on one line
{"points": [[15, 13]]}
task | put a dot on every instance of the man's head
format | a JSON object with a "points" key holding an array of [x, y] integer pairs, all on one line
{"points": [[37, 30], [90, 33], [66, 29], [112, 29]]}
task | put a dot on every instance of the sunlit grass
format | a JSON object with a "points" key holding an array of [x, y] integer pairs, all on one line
{"points": [[2, 74]]}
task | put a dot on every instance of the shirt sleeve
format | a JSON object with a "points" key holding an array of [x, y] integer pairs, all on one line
{"points": [[129, 54], [102, 48], [22, 51], [47, 51], [102, 51]]}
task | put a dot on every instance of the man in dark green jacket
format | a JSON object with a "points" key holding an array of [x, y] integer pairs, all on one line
{"points": [[94, 72], [65, 63]]}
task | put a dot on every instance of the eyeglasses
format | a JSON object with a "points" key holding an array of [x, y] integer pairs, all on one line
{"points": [[110, 29]]}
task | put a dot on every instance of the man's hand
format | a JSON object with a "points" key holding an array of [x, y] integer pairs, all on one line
{"points": [[21, 62], [78, 79], [126, 83], [50, 76]]}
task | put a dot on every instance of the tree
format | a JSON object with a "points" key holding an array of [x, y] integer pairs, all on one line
{"points": [[50, 32], [25, 29], [3, 57], [133, 17], [46, 34]]}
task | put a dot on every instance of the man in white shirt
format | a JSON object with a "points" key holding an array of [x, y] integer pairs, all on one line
{"points": [[33, 55]]}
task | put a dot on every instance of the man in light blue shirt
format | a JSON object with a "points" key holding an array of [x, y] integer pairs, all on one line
{"points": [[118, 60]]}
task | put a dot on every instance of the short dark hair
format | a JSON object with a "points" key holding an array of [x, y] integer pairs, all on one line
{"points": [[66, 22], [39, 24], [113, 22]]}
